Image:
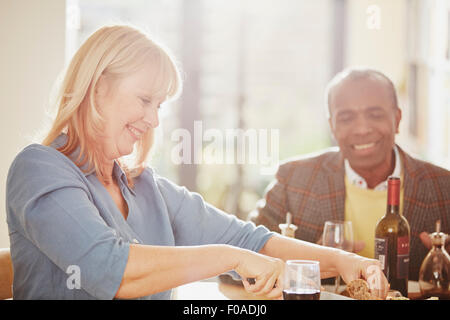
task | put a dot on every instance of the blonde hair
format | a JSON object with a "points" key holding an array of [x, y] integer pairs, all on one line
{"points": [[117, 51]]}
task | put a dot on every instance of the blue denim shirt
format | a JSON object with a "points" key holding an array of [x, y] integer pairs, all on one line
{"points": [[64, 225]]}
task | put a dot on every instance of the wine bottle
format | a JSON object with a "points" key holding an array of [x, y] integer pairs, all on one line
{"points": [[392, 236]]}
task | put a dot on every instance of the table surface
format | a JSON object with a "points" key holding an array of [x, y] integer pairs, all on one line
{"points": [[215, 290]]}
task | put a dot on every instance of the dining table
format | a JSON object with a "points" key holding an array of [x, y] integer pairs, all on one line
{"points": [[215, 289]]}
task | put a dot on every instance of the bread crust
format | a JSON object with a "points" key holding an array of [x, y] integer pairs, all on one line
{"points": [[359, 289]]}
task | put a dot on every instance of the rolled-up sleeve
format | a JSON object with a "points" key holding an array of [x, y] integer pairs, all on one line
{"points": [[195, 222], [49, 204]]}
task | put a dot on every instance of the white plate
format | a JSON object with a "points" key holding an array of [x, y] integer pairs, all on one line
{"points": [[325, 295]]}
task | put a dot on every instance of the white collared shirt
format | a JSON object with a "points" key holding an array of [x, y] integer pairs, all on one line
{"points": [[360, 182]]}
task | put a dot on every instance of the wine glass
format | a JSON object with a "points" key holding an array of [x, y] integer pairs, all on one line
{"points": [[338, 234], [301, 280]]}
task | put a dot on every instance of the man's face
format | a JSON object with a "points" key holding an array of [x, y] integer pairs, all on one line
{"points": [[364, 121]]}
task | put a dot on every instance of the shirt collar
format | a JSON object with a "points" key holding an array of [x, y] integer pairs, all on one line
{"points": [[117, 170], [121, 176], [360, 182]]}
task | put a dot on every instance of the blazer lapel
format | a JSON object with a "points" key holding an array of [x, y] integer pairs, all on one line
{"points": [[334, 165], [412, 172]]}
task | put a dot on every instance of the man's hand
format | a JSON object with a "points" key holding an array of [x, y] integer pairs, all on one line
{"points": [[358, 246], [426, 240]]}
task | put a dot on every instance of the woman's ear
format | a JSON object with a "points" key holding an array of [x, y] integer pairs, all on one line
{"points": [[101, 88]]}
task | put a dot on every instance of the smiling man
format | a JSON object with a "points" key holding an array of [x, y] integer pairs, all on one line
{"points": [[350, 182]]}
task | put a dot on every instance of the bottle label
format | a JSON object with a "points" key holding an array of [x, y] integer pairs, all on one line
{"points": [[381, 251], [402, 257]]}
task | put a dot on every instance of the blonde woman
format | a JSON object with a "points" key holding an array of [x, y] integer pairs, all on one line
{"points": [[73, 206]]}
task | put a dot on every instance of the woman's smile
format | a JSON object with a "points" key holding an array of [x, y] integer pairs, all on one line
{"points": [[134, 132]]}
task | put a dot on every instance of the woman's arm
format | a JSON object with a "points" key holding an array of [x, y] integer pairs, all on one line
{"points": [[293, 249], [152, 269], [332, 261]]}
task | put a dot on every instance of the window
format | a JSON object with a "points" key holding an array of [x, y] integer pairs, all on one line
{"points": [[255, 64]]}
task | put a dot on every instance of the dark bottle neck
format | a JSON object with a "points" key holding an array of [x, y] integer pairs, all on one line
{"points": [[393, 196], [391, 209]]}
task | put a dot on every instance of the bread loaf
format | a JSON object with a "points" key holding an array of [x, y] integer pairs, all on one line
{"points": [[359, 289]]}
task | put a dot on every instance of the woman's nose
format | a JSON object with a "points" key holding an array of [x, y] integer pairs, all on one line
{"points": [[151, 117]]}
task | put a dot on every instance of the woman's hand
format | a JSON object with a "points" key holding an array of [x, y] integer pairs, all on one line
{"points": [[352, 266], [266, 271], [332, 261]]}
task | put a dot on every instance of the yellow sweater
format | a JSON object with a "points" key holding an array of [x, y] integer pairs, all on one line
{"points": [[364, 208]]}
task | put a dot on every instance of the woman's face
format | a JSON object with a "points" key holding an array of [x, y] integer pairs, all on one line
{"points": [[130, 108]]}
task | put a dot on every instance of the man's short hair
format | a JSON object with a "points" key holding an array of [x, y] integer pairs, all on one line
{"points": [[358, 73]]}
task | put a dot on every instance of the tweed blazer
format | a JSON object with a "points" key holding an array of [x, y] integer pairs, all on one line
{"points": [[312, 189]]}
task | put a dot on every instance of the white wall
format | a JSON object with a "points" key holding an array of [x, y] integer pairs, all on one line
{"points": [[32, 45], [378, 44], [377, 38]]}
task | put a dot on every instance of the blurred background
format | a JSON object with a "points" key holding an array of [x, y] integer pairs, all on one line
{"points": [[246, 64]]}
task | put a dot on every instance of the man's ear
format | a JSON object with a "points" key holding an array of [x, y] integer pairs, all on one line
{"points": [[398, 118], [330, 122]]}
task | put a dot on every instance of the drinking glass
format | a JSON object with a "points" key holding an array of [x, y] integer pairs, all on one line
{"points": [[301, 280], [338, 234]]}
